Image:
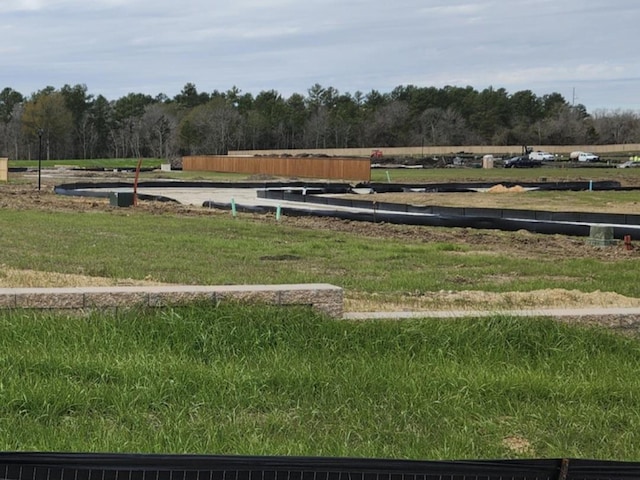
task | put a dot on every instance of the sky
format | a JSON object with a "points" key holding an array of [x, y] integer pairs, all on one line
{"points": [[586, 50]]}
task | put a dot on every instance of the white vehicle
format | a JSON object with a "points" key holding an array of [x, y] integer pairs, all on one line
{"points": [[630, 164], [587, 157], [540, 155]]}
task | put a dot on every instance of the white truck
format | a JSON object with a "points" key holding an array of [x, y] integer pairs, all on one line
{"points": [[584, 157], [541, 156]]}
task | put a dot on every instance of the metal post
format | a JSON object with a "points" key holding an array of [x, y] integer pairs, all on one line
{"points": [[40, 132]]}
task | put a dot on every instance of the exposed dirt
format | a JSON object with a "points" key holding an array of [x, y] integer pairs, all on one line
{"points": [[521, 244], [11, 277], [518, 445], [500, 196], [474, 301]]}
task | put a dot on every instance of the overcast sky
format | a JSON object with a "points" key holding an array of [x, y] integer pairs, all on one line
{"points": [[586, 50]]}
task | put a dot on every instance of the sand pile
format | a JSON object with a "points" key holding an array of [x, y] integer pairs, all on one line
{"points": [[502, 189]]}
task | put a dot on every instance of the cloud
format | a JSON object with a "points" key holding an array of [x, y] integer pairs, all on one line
{"points": [[118, 46], [20, 5]]}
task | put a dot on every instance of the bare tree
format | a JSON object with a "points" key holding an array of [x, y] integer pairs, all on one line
{"points": [[438, 126], [158, 130], [126, 138], [617, 126], [211, 128], [317, 129], [389, 125], [13, 130], [565, 127], [87, 135]]}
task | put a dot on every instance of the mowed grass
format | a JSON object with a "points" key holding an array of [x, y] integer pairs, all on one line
{"points": [[106, 163], [267, 381], [219, 249]]}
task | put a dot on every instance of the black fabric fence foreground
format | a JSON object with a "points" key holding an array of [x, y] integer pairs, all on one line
{"points": [[62, 466]]}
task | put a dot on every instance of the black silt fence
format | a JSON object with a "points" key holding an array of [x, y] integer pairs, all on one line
{"points": [[60, 466]]}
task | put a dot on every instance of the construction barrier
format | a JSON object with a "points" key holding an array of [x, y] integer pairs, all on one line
{"points": [[565, 223], [78, 466]]}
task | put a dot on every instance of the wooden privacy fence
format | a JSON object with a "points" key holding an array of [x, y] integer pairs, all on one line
{"points": [[4, 169], [340, 168]]}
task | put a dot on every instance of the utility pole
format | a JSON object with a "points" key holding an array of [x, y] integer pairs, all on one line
{"points": [[40, 132]]}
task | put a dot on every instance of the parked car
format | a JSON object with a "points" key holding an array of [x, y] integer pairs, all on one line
{"points": [[521, 162], [542, 156], [630, 164], [588, 157]]}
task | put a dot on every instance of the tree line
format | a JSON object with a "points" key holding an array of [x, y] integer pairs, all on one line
{"points": [[71, 123]]}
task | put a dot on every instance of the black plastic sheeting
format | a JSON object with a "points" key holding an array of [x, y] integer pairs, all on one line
{"points": [[506, 213], [477, 222], [77, 466], [68, 188], [471, 187], [106, 194], [565, 223]]}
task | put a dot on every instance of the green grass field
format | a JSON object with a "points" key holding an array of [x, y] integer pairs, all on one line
{"points": [[267, 381], [107, 163], [219, 250]]}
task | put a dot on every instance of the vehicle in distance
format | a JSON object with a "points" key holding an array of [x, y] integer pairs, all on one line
{"points": [[588, 157], [584, 157], [630, 164], [542, 156], [521, 162]]}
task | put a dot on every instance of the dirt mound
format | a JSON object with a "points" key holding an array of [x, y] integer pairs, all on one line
{"points": [[502, 189]]}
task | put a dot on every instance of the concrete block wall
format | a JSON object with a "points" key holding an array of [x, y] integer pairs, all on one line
{"points": [[323, 297]]}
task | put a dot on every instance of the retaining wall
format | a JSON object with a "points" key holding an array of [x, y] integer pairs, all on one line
{"points": [[323, 297]]}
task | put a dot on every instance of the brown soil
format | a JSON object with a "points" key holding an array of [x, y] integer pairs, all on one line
{"points": [[11, 277], [518, 445], [500, 196], [521, 243], [475, 301]]}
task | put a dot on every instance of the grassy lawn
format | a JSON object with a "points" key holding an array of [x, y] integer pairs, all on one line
{"points": [[93, 163], [266, 381], [221, 250]]}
